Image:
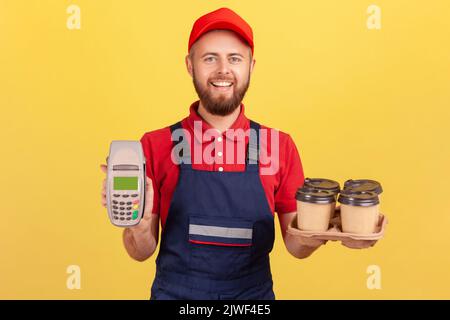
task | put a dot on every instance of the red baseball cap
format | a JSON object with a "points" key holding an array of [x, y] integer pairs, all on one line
{"points": [[222, 18]]}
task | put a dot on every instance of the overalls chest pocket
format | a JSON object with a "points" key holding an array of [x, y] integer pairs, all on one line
{"points": [[220, 247]]}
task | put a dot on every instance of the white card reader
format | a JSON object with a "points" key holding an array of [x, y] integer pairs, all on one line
{"points": [[125, 183]]}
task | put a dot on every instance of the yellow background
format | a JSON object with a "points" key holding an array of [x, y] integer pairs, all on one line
{"points": [[359, 103]]}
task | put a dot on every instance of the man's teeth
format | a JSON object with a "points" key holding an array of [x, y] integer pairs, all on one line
{"points": [[222, 84]]}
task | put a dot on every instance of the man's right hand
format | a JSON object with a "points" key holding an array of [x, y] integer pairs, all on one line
{"points": [[144, 223], [140, 240]]}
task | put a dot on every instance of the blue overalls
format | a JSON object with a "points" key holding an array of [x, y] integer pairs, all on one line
{"points": [[218, 233]]}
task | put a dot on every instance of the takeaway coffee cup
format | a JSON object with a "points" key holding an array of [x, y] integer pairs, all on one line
{"points": [[323, 184], [314, 207], [359, 211]]}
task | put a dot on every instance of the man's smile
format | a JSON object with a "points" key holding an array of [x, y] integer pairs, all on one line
{"points": [[221, 85]]}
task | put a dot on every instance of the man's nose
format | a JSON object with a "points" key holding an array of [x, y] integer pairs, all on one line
{"points": [[223, 67]]}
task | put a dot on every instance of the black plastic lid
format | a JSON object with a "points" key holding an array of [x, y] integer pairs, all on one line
{"points": [[313, 195], [363, 185], [358, 198], [322, 184]]}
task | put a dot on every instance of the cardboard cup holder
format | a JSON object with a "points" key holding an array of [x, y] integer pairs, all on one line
{"points": [[335, 233]]}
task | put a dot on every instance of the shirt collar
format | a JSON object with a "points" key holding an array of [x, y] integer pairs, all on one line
{"points": [[241, 122]]}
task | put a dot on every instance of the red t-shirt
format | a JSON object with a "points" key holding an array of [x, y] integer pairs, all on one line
{"points": [[280, 183]]}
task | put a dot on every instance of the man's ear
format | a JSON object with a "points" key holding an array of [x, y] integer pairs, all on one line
{"points": [[188, 64], [252, 66]]}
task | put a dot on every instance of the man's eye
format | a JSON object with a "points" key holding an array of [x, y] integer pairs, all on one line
{"points": [[235, 59], [209, 59]]}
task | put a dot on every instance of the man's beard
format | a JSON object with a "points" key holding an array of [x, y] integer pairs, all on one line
{"points": [[221, 105]]}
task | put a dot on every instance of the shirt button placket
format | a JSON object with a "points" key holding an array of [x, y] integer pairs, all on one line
{"points": [[219, 140]]}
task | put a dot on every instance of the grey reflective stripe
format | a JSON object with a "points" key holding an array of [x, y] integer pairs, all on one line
{"points": [[238, 233]]}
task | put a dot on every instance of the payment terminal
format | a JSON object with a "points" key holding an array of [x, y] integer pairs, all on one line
{"points": [[125, 183]]}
